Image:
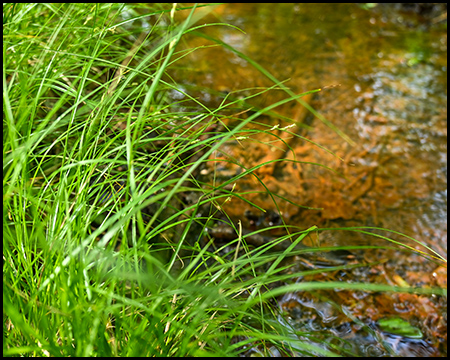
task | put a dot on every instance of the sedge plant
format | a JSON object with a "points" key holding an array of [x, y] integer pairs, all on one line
{"points": [[101, 245]]}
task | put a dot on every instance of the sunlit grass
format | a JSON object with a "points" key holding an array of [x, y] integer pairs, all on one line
{"points": [[100, 249]]}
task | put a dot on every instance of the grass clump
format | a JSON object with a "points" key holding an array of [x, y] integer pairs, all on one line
{"points": [[101, 220]]}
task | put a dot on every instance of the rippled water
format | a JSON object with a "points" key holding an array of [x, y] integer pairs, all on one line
{"points": [[391, 67]]}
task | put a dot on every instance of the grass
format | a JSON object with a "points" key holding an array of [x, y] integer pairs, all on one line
{"points": [[101, 250]]}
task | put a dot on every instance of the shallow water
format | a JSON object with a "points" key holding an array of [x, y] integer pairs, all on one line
{"points": [[390, 68]]}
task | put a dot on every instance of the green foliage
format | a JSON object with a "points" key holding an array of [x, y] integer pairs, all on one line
{"points": [[100, 252], [399, 326]]}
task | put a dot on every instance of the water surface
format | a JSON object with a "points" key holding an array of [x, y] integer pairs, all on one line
{"points": [[387, 72]]}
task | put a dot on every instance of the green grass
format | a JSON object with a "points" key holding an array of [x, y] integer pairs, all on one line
{"points": [[100, 249]]}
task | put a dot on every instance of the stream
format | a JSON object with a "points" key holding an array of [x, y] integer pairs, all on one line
{"points": [[383, 72]]}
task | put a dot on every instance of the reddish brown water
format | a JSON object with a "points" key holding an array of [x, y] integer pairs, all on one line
{"points": [[391, 68]]}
